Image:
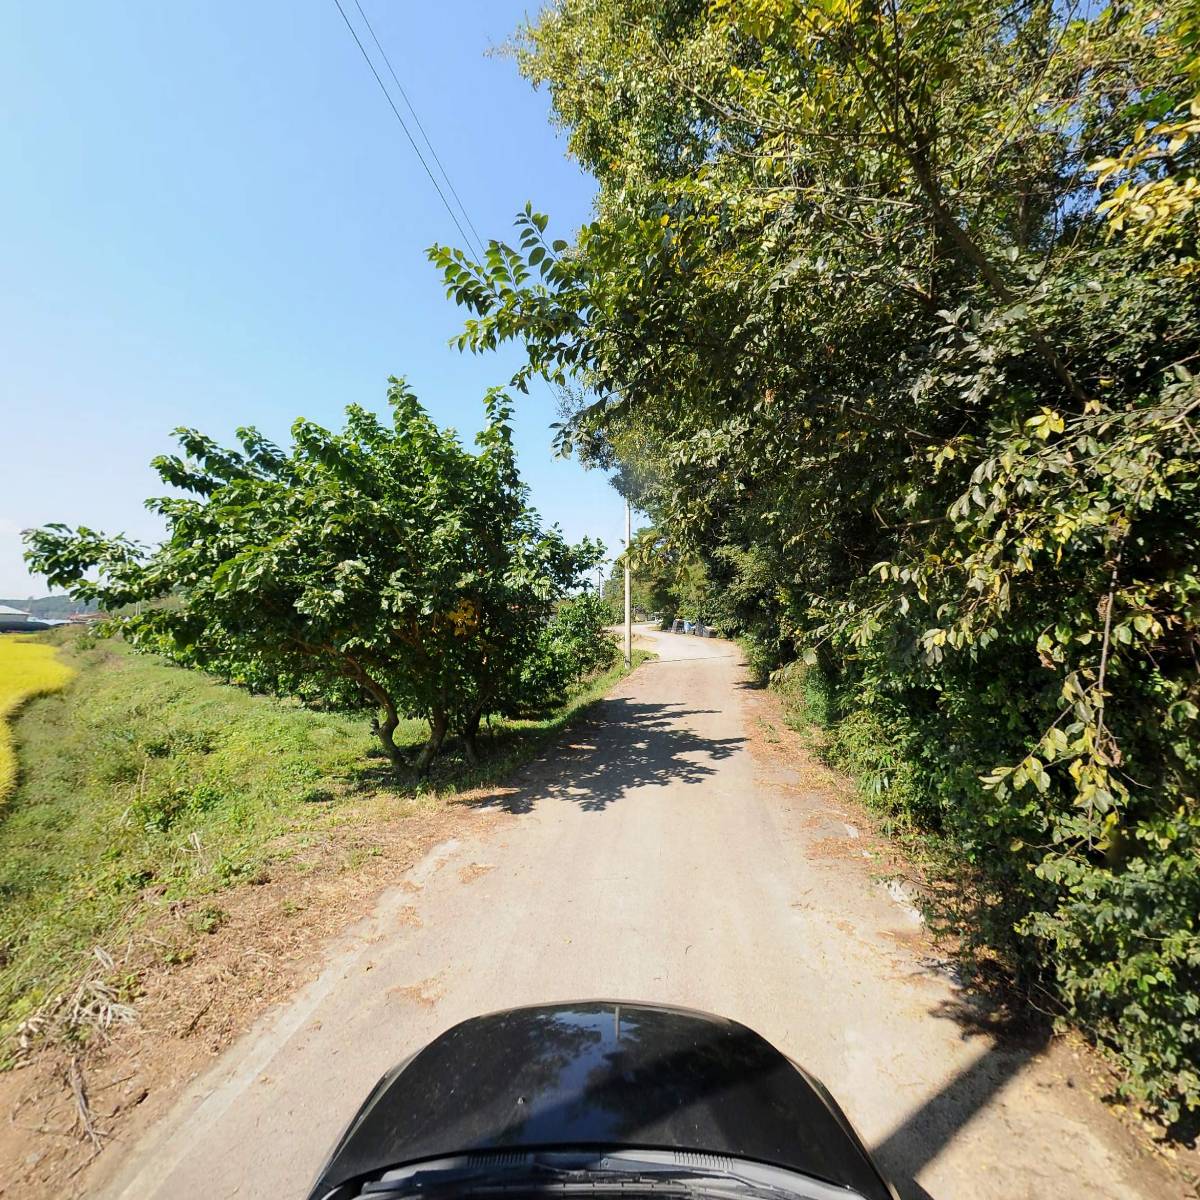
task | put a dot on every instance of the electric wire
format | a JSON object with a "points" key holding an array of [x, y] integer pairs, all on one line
{"points": [[392, 105], [478, 247]]}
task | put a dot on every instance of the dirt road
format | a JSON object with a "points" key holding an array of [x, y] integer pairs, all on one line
{"points": [[660, 858]]}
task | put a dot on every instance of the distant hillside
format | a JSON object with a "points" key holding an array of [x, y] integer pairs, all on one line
{"points": [[49, 607]]}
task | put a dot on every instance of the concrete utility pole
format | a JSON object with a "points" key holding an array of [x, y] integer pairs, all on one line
{"points": [[628, 610]]}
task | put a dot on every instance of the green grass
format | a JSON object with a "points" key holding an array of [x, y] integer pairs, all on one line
{"points": [[856, 743], [143, 783], [27, 669], [808, 704]]}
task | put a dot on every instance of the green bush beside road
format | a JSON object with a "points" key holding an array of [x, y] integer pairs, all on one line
{"points": [[888, 319]]}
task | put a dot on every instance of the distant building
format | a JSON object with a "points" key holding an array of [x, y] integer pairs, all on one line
{"points": [[14, 620]]}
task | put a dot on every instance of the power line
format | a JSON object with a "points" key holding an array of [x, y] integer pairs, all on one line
{"points": [[391, 104], [477, 246], [400, 88]]}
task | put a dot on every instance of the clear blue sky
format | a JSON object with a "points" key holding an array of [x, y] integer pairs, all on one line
{"points": [[212, 218]]}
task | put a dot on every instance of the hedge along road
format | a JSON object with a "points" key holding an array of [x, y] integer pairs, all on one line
{"points": [[655, 856]]}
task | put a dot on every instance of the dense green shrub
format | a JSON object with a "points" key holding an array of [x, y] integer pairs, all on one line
{"points": [[573, 645], [385, 566], [890, 320]]}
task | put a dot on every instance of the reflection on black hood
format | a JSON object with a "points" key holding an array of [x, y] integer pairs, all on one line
{"points": [[603, 1075]]}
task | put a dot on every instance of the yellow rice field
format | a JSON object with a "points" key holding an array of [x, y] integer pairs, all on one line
{"points": [[27, 669]]}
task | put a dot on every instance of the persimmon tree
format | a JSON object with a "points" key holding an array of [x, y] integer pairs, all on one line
{"points": [[384, 565]]}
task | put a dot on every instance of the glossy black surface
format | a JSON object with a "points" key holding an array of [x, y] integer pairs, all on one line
{"points": [[602, 1075]]}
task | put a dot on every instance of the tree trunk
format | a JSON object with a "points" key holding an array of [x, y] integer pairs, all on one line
{"points": [[384, 730], [470, 735], [438, 723], [391, 719], [912, 142], [974, 254]]}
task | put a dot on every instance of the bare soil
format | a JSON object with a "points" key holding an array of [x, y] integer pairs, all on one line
{"points": [[197, 992]]}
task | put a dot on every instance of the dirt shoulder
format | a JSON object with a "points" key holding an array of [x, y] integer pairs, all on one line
{"points": [[839, 832], [69, 1105]]}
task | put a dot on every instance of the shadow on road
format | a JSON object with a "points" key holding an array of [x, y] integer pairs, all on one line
{"points": [[626, 745], [691, 658], [629, 744], [914, 1143]]}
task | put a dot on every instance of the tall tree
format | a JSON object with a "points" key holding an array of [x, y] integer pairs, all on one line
{"points": [[875, 346], [384, 565]]}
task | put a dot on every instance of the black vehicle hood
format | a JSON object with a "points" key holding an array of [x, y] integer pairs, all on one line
{"points": [[603, 1075]]}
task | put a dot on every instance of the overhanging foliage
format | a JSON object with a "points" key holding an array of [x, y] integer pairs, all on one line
{"points": [[867, 340]]}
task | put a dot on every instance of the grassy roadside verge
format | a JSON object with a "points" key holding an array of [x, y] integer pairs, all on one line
{"points": [[146, 788], [946, 888], [854, 745]]}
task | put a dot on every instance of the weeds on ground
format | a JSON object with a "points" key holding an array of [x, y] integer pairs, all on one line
{"points": [[146, 786]]}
